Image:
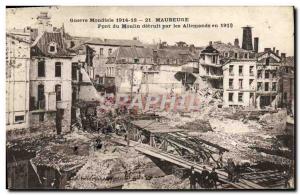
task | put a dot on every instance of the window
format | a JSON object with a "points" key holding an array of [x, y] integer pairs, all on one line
{"points": [[251, 83], [136, 60], [74, 71], [41, 68], [266, 86], [285, 96], [259, 86], [41, 117], [207, 70], [235, 55], [274, 74], [267, 61], [230, 83], [231, 70], [58, 92], [240, 83], [267, 74], [226, 54], [214, 59], [109, 51], [240, 70], [246, 55], [230, 97], [274, 86], [101, 52], [240, 97], [52, 48], [19, 118], [259, 73], [57, 69], [251, 70]]}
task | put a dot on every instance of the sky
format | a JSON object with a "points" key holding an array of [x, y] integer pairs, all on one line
{"points": [[273, 25]]}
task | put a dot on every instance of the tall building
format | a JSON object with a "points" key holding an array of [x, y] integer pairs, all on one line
{"points": [[268, 64], [50, 80], [17, 80]]}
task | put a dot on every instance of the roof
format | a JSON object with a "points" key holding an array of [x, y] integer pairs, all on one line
{"points": [[210, 49], [223, 47], [132, 52], [115, 42], [18, 38], [40, 45], [289, 61], [175, 54]]}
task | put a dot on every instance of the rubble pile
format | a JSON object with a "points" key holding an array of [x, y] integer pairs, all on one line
{"points": [[114, 167]]}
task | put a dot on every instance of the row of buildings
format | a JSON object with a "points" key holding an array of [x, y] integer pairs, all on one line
{"points": [[49, 72]]}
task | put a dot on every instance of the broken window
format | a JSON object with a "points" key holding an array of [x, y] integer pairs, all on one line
{"points": [[240, 97], [230, 83], [274, 74], [240, 83], [251, 70], [57, 69], [267, 74], [41, 68], [251, 83], [259, 86], [266, 86], [207, 70], [274, 86], [230, 97], [101, 52], [58, 92], [259, 73], [231, 70]]}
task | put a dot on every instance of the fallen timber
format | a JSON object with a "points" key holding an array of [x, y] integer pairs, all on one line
{"points": [[177, 160]]}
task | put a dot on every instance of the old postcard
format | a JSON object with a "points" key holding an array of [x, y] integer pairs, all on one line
{"points": [[159, 98]]}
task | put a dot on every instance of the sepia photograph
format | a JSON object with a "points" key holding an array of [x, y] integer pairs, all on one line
{"points": [[185, 98]]}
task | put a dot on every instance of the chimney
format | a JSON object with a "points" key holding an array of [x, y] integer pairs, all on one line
{"points": [[247, 38], [256, 39], [277, 52], [273, 49], [236, 42], [267, 49], [210, 43]]}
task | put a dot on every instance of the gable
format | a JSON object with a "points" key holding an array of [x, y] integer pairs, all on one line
{"points": [[273, 58]]}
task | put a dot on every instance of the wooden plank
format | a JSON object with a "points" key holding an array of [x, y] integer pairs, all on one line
{"points": [[187, 164]]}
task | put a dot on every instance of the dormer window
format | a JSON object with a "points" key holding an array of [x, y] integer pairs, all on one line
{"points": [[52, 48]]}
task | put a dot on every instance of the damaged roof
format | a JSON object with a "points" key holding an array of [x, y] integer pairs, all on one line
{"points": [[289, 61], [132, 52], [40, 46], [223, 47]]}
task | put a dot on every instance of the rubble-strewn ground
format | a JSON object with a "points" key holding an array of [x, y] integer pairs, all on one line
{"points": [[249, 135]]}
